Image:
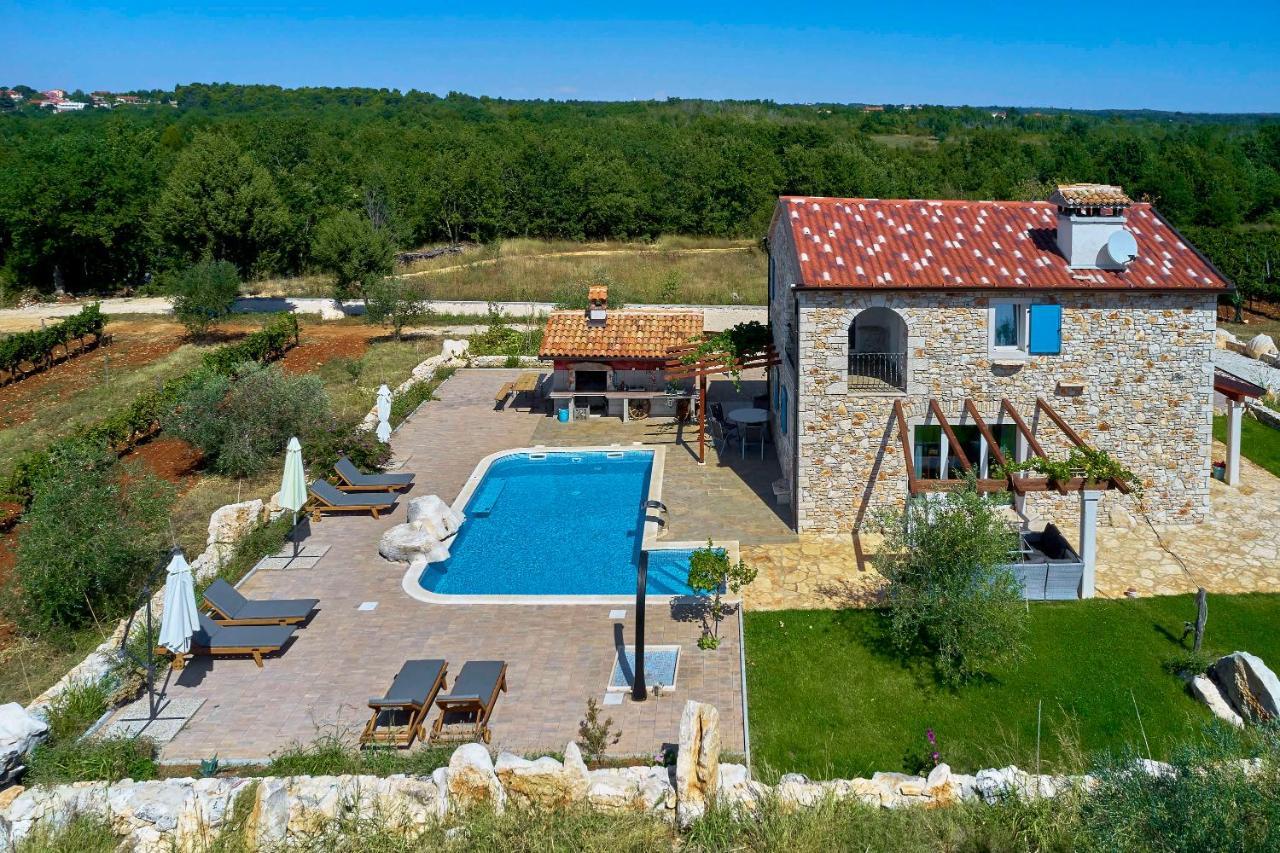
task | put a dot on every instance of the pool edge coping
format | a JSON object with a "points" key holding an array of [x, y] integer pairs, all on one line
{"points": [[649, 539]]}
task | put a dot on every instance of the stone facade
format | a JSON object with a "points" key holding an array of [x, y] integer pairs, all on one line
{"points": [[1140, 363]]}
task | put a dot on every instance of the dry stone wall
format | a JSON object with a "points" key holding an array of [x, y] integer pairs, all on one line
{"points": [[1144, 361]]}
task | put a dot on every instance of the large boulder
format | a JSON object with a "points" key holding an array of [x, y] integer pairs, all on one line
{"points": [[1252, 688], [405, 543], [454, 349], [228, 523], [433, 515], [1260, 345], [544, 782], [698, 760], [472, 779], [19, 733], [1203, 688], [1221, 337], [631, 789]]}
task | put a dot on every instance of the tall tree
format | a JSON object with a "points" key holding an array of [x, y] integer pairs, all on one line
{"points": [[357, 253], [220, 203]]}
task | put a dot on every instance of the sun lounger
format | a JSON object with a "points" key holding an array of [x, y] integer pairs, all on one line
{"points": [[400, 715], [467, 708], [224, 640], [228, 607], [325, 497], [355, 480]]}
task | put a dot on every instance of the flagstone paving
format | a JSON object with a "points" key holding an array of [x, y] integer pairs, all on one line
{"points": [[1236, 550], [558, 656]]}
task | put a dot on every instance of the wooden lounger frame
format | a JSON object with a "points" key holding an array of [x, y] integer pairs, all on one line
{"points": [[318, 507], [230, 651], [374, 734], [483, 710]]}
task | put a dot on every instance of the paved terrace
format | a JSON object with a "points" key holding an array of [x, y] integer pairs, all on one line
{"points": [[558, 656]]}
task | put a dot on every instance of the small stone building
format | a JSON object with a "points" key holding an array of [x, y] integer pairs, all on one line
{"points": [[610, 362], [1089, 302]]}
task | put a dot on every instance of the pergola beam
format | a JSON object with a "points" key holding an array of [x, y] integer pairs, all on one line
{"points": [[951, 435], [993, 446]]}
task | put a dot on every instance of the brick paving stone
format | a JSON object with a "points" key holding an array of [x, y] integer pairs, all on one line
{"points": [[558, 656]]}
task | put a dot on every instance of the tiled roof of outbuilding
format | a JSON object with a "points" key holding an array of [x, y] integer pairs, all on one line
{"points": [[893, 244], [623, 334]]}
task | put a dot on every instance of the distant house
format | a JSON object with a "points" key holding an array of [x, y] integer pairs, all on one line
{"points": [[54, 94], [873, 108], [68, 106], [11, 94], [610, 362], [923, 341]]}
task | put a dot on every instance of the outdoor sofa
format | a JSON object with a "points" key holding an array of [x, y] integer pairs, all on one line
{"points": [[400, 715], [228, 607], [325, 497], [467, 708], [355, 480]]}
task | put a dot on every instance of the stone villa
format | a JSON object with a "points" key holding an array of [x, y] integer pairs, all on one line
{"points": [[944, 310]]}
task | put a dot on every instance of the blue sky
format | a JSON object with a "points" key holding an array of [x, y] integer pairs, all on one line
{"points": [[1172, 55]]}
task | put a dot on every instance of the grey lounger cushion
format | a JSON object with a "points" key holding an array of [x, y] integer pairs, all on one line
{"points": [[213, 636], [228, 599], [476, 682], [329, 493], [356, 477], [412, 685]]}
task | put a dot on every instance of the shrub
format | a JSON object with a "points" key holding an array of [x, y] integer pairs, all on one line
{"points": [[1207, 803], [204, 293], [75, 709], [711, 572], [595, 736], [241, 422], [93, 531], [950, 590], [101, 759], [330, 755], [354, 250], [397, 303], [326, 441], [82, 834]]}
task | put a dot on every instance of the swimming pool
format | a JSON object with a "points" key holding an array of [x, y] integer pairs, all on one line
{"points": [[557, 523]]}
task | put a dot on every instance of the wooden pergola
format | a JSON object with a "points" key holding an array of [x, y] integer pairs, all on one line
{"points": [[1019, 485], [711, 364]]}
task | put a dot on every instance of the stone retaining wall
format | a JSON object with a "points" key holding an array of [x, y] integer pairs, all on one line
{"points": [[186, 814]]}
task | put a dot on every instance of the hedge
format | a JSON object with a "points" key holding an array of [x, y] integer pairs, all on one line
{"points": [[36, 347], [141, 419]]}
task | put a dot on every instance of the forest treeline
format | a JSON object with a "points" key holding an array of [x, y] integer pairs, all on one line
{"points": [[101, 200]]}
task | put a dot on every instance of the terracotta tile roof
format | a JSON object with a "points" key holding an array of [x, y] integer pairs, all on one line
{"points": [[1090, 195], [624, 334], [893, 244]]}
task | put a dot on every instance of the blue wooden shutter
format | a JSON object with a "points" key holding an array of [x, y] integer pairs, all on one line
{"points": [[1046, 330], [782, 415]]}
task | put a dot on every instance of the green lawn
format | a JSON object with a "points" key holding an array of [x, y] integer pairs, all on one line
{"points": [[829, 697], [1259, 443]]}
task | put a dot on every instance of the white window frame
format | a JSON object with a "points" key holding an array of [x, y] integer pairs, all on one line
{"points": [[1022, 308]]}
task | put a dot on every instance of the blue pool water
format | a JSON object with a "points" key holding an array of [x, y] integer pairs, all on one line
{"points": [[569, 523]]}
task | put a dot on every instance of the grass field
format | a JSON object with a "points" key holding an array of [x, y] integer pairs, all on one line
{"points": [[829, 696], [1259, 443], [671, 269]]}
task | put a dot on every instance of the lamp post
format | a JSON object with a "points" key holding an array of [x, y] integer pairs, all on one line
{"points": [[639, 692]]}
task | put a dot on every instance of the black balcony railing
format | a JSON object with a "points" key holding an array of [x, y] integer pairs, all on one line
{"points": [[878, 371]]}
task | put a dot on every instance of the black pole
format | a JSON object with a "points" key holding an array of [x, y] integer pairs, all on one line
{"points": [[639, 691], [151, 657]]}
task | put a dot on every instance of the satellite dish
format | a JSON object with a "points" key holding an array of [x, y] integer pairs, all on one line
{"points": [[1121, 247]]}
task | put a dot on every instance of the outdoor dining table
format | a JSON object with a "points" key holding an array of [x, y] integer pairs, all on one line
{"points": [[747, 418]]}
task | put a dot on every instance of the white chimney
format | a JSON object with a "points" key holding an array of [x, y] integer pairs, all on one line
{"points": [[1091, 226], [597, 304]]}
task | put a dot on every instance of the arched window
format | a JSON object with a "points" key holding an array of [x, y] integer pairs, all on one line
{"points": [[878, 351]]}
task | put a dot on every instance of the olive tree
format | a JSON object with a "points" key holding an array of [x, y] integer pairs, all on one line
{"points": [[204, 293], [951, 592], [396, 302], [712, 573]]}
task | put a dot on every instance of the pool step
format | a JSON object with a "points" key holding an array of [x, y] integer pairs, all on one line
{"points": [[485, 501]]}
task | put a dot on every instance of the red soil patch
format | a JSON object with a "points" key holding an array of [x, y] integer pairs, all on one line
{"points": [[170, 459], [322, 344]]}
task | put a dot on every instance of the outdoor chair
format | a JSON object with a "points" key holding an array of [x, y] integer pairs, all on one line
{"points": [[325, 497], [216, 640], [355, 480], [468, 707], [228, 607], [729, 430], [400, 715]]}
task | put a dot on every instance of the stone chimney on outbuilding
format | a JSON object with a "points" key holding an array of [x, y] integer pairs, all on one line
{"points": [[597, 304]]}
